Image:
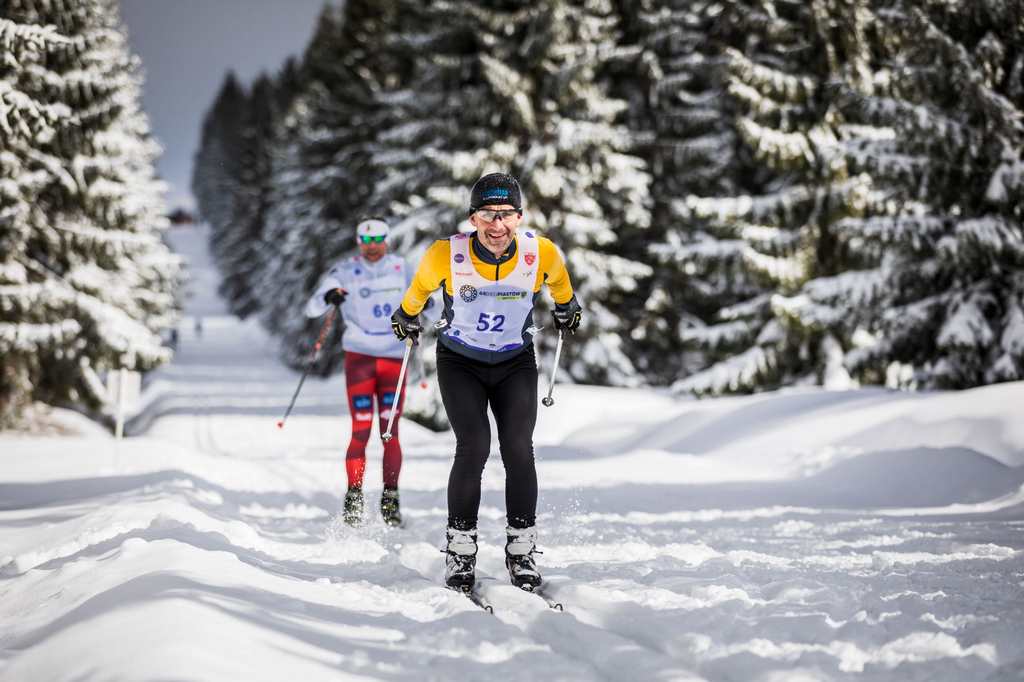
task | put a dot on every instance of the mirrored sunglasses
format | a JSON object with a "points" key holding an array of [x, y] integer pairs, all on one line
{"points": [[489, 216], [366, 239]]}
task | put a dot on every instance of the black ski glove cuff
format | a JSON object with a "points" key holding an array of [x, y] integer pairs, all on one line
{"points": [[567, 316]]}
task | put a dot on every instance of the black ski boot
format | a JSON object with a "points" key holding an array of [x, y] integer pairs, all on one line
{"points": [[353, 511], [460, 562], [389, 508], [522, 568]]}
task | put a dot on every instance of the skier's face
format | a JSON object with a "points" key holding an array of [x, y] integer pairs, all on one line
{"points": [[373, 251], [497, 233]]}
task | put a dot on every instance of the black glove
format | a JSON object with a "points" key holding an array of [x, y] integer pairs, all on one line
{"points": [[335, 296], [405, 326], [567, 316]]}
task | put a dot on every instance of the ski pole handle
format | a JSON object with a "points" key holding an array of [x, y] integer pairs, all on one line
{"points": [[548, 401], [386, 436], [312, 360]]}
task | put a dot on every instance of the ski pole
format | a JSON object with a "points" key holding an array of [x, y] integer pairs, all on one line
{"points": [[548, 401], [386, 436], [312, 360]]}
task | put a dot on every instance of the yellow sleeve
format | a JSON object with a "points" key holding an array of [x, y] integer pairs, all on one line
{"points": [[553, 266], [434, 268]]}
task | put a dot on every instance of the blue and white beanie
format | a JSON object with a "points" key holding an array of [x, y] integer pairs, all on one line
{"points": [[495, 189]]}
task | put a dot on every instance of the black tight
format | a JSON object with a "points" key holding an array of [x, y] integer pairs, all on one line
{"points": [[510, 387]]}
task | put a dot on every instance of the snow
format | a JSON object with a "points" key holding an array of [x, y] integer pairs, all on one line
{"points": [[797, 535], [966, 327]]}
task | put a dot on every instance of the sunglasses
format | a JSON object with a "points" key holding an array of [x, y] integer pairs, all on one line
{"points": [[489, 216], [372, 240]]}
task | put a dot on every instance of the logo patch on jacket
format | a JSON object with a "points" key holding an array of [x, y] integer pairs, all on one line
{"points": [[496, 193]]}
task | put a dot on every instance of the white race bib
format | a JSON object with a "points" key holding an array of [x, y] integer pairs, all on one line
{"points": [[487, 314], [374, 293]]}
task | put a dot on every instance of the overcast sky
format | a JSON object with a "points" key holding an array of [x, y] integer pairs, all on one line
{"points": [[187, 46]]}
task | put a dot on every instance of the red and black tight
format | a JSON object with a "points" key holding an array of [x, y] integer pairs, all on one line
{"points": [[370, 379]]}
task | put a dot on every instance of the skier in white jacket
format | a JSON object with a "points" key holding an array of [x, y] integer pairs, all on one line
{"points": [[368, 288]]}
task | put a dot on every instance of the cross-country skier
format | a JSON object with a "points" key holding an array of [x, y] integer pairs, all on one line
{"points": [[368, 288], [485, 356]]}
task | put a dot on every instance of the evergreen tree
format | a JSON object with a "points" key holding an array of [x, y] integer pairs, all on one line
{"points": [[937, 299], [25, 122], [785, 237], [239, 246], [683, 118], [232, 180], [890, 236], [218, 162], [87, 283], [321, 173]]}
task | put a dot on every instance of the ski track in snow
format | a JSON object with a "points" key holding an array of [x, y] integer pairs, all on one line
{"points": [[766, 538]]}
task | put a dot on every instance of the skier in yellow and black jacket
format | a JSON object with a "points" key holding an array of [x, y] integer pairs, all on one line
{"points": [[491, 279]]}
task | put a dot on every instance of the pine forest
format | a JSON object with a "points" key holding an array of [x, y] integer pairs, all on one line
{"points": [[750, 194]]}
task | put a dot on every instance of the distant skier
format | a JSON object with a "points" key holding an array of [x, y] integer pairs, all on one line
{"points": [[368, 288], [491, 280]]}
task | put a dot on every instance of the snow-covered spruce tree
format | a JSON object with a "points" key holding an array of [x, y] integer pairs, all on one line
{"points": [[683, 118], [24, 120], [217, 168], [87, 283], [514, 88], [238, 246], [938, 297], [783, 84], [322, 176]]}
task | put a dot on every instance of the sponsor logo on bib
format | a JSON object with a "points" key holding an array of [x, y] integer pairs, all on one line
{"points": [[503, 294], [529, 258], [459, 258], [365, 292], [468, 293]]}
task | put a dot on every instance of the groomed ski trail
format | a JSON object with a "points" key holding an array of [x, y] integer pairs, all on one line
{"points": [[718, 540]]}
